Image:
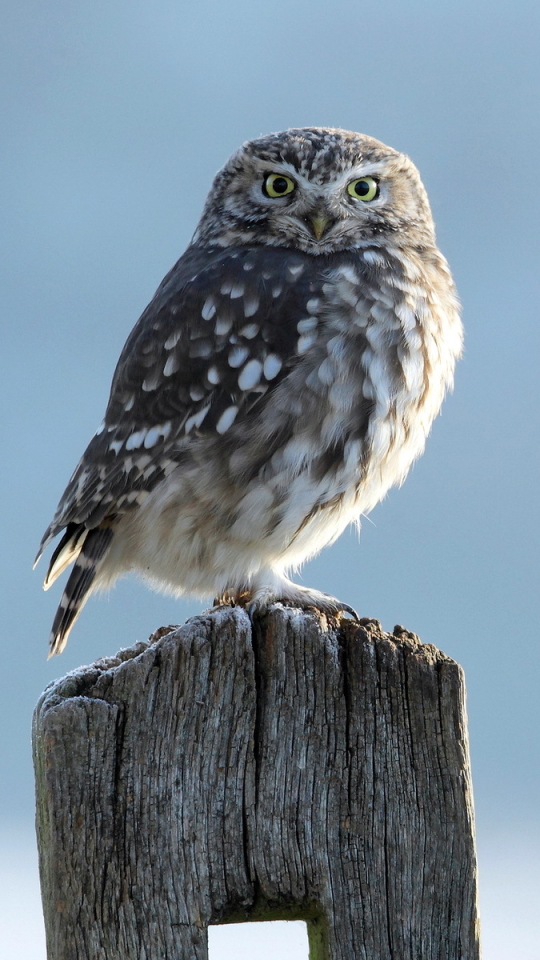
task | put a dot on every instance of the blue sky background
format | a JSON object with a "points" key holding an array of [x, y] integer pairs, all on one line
{"points": [[114, 118]]}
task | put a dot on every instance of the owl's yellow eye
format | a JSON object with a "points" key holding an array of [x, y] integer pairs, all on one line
{"points": [[366, 189], [276, 185]]}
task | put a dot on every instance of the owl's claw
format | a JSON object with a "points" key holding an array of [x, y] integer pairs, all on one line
{"points": [[258, 600]]}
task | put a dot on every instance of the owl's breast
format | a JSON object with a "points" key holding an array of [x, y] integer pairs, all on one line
{"points": [[378, 344]]}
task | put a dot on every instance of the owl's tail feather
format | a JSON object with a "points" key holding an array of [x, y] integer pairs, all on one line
{"points": [[66, 552], [78, 587]]}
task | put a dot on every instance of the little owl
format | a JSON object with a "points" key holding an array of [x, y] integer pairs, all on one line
{"points": [[284, 377]]}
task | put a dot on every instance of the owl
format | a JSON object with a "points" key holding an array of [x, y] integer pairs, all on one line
{"points": [[285, 375]]}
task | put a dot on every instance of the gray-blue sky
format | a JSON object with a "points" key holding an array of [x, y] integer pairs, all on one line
{"points": [[115, 117]]}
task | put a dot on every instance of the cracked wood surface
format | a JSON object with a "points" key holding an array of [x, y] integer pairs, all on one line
{"points": [[296, 769]]}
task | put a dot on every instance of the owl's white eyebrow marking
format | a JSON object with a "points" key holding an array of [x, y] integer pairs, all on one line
{"points": [[135, 440], [196, 419], [213, 375], [307, 324], [171, 366], [251, 305], [249, 331], [305, 342], [208, 309], [237, 356], [172, 340], [226, 419], [272, 365], [250, 375]]}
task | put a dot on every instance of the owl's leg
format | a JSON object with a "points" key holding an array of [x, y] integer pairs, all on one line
{"points": [[270, 586]]}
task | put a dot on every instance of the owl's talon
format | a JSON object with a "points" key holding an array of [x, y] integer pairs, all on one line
{"points": [[351, 611]]}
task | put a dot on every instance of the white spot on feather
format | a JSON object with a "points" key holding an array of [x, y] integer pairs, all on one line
{"points": [[251, 305], [223, 325], [348, 273], [373, 257], [208, 308], [305, 342], [237, 290], [151, 382], [237, 356], [307, 324], [172, 340], [296, 270], [155, 433], [171, 366], [213, 375], [327, 371], [136, 440], [116, 445], [196, 419], [226, 419], [406, 315], [250, 375], [249, 331], [272, 365]]}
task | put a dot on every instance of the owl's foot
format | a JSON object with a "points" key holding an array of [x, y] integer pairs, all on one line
{"points": [[260, 596]]}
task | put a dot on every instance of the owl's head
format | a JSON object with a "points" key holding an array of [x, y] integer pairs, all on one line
{"points": [[318, 190]]}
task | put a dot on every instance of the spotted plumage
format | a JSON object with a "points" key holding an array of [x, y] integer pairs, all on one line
{"points": [[284, 376]]}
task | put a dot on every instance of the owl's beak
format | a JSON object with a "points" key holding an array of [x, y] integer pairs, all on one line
{"points": [[318, 224], [319, 221]]}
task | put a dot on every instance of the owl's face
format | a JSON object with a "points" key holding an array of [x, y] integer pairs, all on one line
{"points": [[318, 190]]}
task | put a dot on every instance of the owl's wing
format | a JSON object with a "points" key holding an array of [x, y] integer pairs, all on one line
{"points": [[221, 332]]}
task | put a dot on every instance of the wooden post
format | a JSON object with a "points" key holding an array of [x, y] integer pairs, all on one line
{"points": [[296, 769]]}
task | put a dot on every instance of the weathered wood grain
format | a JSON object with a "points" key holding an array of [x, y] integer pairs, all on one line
{"points": [[296, 769]]}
